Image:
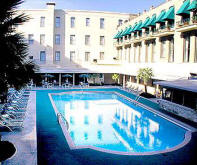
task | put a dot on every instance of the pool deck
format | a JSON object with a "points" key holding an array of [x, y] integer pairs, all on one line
{"points": [[53, 149], [25, 140]]}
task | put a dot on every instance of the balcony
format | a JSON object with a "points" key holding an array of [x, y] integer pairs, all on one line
{"points": [[165, 31], [187, 24], [118, 43]]}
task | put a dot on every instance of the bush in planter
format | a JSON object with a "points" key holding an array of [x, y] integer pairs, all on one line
{"points": [[115, 77]]}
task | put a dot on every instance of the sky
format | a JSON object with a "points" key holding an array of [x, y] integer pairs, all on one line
{"points": [[125, 6]]}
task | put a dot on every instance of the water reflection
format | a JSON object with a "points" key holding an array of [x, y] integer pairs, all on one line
{"points": [[107, 121]]}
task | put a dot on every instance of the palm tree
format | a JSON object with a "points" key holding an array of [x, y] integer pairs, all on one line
{"points": [[115, 77], [15, 70], [145, 74]]}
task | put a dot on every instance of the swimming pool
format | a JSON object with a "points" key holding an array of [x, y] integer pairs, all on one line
{"points": [[108, 121]]}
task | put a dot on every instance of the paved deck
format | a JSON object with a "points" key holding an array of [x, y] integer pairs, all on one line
{"points": [[25, 140]]}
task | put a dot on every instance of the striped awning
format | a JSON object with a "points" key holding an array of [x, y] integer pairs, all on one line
{"points": [[160, 18], [152, 21], [193, 6], [144, 25], [138, 27], [184, 8], [129, 30], [170, 14]]}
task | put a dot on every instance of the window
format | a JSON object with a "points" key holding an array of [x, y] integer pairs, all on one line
{"points": [[57, 39], [72, 56], [31, 57], [42, 56], [186, 53], [30, 39], [102, 23], [57, 55], [171, 50], [87, 39], [87, 21], [120, 22], [42, 39], [42, 21], [163, 46], [72, 39], [57, 22], [101, 55], [87, 56], [72, 22], [102, 40]]}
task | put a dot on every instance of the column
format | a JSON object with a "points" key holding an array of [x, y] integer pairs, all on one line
{"points": [[129, 53], [192, 48], [151, 58], [143, 52], [124, 81], [167, 50], [73, 79], [178, 43], [60, 79], [157, 50]]}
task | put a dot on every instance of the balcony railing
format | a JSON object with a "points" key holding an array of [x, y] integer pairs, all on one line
{"points": [[183, 22], [194, 19]]}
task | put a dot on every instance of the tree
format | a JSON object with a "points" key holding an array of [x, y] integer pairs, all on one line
{"points": [[115, 77], [15, 70], [145, 74]]}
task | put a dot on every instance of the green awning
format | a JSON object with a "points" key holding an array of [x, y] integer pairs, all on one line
{"points": [[160, 17], [129, 30], [193, 6], [134, 27], [138, 27], [144, 25], [115, 37], [184, 8], [152, 21], [124, 32], [170, 14], [120, 34]]}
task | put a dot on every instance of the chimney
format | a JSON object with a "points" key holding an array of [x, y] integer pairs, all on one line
{"points": [[152, 7], [50, 5]]}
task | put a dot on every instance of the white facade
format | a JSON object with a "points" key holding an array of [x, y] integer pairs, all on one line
{"points": [[162, 47], [50, 34]]}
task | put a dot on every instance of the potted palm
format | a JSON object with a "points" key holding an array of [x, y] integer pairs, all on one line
{"points": [[115, 77], [145, 74]]}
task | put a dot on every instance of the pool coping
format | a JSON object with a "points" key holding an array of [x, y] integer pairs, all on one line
{"points": [[25, 140], [188, 134]]}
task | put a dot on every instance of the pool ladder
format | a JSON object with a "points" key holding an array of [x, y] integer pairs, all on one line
{"points": [[58, 120], [137, 99]]}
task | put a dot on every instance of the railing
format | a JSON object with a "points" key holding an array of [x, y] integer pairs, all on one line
{"points": [[184, 22], [59, 115], [178, 110], [194, 19], [163, 27]]}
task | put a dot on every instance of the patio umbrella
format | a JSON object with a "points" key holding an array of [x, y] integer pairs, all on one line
{"points": [[48, 76], [84, 76], [66, 76]]}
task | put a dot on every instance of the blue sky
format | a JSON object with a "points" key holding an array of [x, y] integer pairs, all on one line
{"points": [[128, 6]]}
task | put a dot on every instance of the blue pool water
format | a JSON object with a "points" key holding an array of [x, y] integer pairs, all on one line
{"points": [[108, 121]]}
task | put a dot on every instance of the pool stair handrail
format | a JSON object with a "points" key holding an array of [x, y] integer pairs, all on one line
{"points": [[137, 99], [58, 120]]}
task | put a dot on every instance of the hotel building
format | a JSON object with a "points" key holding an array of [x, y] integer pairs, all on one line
{"points": [[163, 38], [71, 41]]}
